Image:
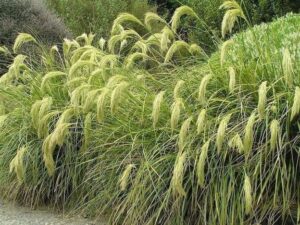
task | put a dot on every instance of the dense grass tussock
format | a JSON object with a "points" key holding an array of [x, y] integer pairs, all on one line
{"points": [[99, 130]]}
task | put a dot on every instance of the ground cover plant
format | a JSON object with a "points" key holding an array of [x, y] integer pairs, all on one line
{"points": [[150, 130]]}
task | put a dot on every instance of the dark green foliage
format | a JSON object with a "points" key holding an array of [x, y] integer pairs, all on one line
{"points": [[257, 11], [84, 16]]}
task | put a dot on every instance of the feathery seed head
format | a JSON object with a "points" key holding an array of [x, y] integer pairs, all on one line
{"points": [[102, 43], [233, 12], [21, 39], [132, 58], [151, 17], [140, 46], [275, 129], [176, 46], [287, 65], [248, 138], [4, 50], [124, 180], [68, 45], [90, 100], [236, 143], [123, 17], [175, 114], [232, 79], [221, 132], [87, 132], [179, 12], [202, 88], [296, 105], [262, 99], [183, 133], [195, 49], [17, 164], [34, 113], [223, 51], [117, 94], [67, 115], [101, 104], [45, 107], [43, 124], [79, 93], [76, 82], [114, 80], [178, 174], [54, 50], [166, 36], [248, 194], [123, 44], [50, 76], [48, 150], [178, 87], [156, 107], [108, 61], [60, 133], [201, 164], [201, 121], [78, 65]]}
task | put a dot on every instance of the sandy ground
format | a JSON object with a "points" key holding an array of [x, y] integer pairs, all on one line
{"points": [[16, 215]]}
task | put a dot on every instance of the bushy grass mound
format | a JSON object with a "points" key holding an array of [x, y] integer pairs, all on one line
{"points": [[129, 130]]}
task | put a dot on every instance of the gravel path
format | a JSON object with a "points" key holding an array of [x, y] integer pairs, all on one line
{"points": [[16, 215]]}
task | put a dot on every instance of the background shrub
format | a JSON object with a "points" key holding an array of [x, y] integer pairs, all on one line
{"points": [[84, 16], [30, 16]]}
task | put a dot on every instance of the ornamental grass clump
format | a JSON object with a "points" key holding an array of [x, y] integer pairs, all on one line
{"points": [[211, 141]]}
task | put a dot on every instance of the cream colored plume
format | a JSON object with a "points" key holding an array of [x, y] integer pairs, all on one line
{"points": [[177, 89], [179, 12], [249, 134], [124, 180], [201, 121], [17, 164], [176, 108], [262, 99], [201, 164], [202, 88], [248, 194], [222, 131], [156, 107], [295, 111], [178, 174], [233, 12], [21, 39], [182, 140], [287, 65]]}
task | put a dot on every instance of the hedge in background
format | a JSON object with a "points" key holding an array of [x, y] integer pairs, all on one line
{"points": [[84, 16], [257, 11], [30, 16]]}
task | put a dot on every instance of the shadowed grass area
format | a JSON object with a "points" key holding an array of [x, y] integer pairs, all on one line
{"points": [[150, 130]]}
